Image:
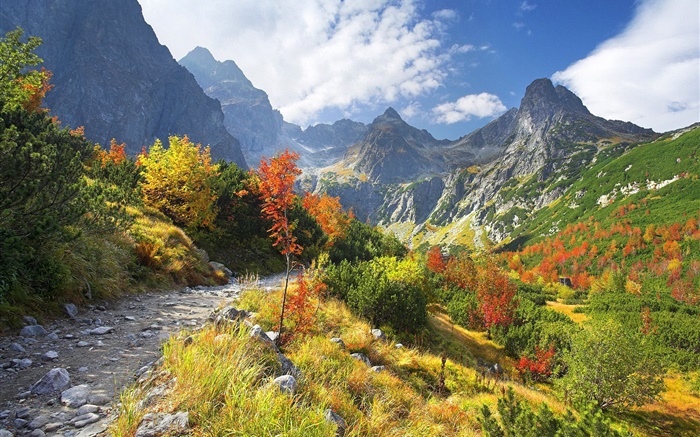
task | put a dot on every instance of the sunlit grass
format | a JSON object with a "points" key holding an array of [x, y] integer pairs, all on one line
{"points": [[568, 310]]}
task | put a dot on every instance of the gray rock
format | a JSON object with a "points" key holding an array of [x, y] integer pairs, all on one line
{"points": [[288, 367], [33, 331], [22, 413], [75, 397], [102, 330], [158, 424], [82, 369], [339, 342], [333, 417], [4, 414], [87, 408], [378, 334], [22, 363], [147, 334], [49, 356], [82, 343], [361, 357], [24, 395], [30, 341], [130, 318], [71, 310], [39, 421], [37, 433], [53, 426], [378, 368], [99, 399], [29, 320], [286, 383], [221, 268], [16, 347], [55, 380], [53, 336], [19, 423], [5, 433], [257, 331], [398, 346], [85, 419]]}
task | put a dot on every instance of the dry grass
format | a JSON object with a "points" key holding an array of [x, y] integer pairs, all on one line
{"points": [[568, 310]]}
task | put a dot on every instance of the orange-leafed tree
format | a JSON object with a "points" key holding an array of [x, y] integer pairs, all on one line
{"points": [[496, 295], [275, 188], [115, 155], [179, 182], [435, 261], [329, 215]]}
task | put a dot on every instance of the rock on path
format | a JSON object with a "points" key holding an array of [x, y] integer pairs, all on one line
{"points": [[101, 348]]}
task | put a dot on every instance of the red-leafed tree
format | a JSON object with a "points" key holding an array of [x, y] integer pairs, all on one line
{"points": [[540, 366], [496, 295], [275, 188]]}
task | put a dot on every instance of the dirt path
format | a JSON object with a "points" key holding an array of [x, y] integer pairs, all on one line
{"points": [[103, 363]]}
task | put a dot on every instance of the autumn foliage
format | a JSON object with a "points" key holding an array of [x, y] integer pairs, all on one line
{"points": [[329, 215], [539, 367], [179, 181]]}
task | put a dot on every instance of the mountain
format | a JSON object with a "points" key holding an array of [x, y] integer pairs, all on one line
{"points": [[249, 116], [112, 76], [429, 190]]}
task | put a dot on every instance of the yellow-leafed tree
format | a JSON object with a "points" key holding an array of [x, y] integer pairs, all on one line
{"points": [[179, 182]]}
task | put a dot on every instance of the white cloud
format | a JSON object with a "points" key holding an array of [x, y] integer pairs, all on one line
{"points": [[650, 73], [411, 110], [465, 108], [311, 55], [527, 6]]}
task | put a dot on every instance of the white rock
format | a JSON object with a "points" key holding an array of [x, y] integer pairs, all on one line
{"points": [[286, 383], [75, 397]]}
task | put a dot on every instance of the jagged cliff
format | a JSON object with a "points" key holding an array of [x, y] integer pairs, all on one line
{"points": [[112, 76]]}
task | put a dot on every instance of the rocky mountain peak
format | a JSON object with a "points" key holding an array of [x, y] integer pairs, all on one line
{"points": [[390, 113], [542, 101]]}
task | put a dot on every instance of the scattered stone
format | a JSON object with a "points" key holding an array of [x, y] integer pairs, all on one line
{"points": [[16, 347], [398, 346], [23, 363], [82, 369], [288, 367], [24, 395], [378, 334], [75, 397], [49, 356], [53, 426], [158, 424], [29, 320], [69, 336], [378, 368], [55, 380], [130, 318], [361, 357], [30, 341], [5, 433], [37, 433], [19, 423], [99, 399], [101, 308], [85, 419], [257, 331], [39, 421], [339, 342], [4, 414], [53, 336], [82, 343], [147, 334], [32, 331], [86, 409], [333, 417], [154, 327], [102, 330], [71, 310], [22, 413], [286, 383]]}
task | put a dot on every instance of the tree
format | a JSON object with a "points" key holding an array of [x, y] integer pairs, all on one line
{"points": [[20, 86], [609, 367], [179, 182], [496, 296], [275, 187], [329, 214], [435, 260]]}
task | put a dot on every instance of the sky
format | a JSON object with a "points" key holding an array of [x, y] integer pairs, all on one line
{"points": [[449, 66]]}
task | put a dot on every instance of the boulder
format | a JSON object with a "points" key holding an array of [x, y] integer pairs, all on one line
{"points": [[378, 368], [55, 380], [286, 383], [378, 334], [158, 424], [361, 357], [71, 310], [75, 397], [33, 331], [339, 342], [333, 417]]}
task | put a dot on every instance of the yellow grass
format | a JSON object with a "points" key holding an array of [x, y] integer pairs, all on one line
{"points": [[568, 310]]}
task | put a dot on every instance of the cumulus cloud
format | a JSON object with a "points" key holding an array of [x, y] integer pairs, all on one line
{"points": [[465, 108], [650, 73], [311, 55]]}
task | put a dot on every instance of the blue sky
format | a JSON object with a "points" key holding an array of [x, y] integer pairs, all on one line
{"points": [[449, 66]]}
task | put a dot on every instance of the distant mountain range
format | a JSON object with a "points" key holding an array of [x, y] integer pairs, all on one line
{"points": [[113, 77]]}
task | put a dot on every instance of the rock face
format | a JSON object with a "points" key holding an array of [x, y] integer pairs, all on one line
{"points": [[249, 116], [112, 76]]}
